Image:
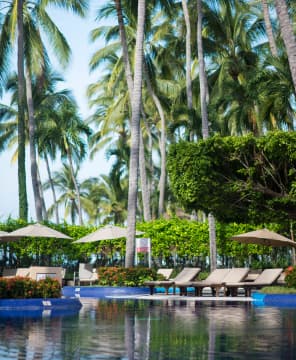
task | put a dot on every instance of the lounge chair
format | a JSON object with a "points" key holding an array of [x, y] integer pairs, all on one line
{"points": [[217, 280], [43, 272], [87, 274], [166, 273], [9, 273], [215, 277], [187, 274], [266, 278]]}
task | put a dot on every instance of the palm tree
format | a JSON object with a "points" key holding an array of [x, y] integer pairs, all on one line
{"points": [[63, 182], [30, 15], [205, 124], [268, 27], [129, 80], [232, 29], [188, 56], [287, 35], [47, 99], [135, 133], [67, 131], [23, 200]]}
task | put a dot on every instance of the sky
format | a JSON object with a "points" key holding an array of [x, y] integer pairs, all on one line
{"points": [[77, 78]]}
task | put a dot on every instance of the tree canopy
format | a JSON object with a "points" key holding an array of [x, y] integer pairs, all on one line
{"points": [[237, 178]]}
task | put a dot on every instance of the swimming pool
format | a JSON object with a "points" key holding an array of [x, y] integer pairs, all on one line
{"points": [[144, 329]]}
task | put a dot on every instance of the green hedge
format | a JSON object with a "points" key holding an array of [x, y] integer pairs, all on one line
{"points": [[175, 242], [26, 288]]}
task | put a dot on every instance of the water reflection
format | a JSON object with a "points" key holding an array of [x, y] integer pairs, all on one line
{"points": [[142, 330]]}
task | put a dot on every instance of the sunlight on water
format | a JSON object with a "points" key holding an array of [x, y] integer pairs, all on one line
{"points": [[143, 330]]}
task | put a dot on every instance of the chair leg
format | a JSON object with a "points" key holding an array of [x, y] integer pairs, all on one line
{"points": [[183, 290], [197, 291], [248, 291]]}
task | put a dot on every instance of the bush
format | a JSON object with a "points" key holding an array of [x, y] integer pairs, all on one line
{"points": [[26, 288], [290, 278], [117, 276]]}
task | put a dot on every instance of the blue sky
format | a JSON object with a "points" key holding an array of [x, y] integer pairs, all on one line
{"points": [[77, 78]]}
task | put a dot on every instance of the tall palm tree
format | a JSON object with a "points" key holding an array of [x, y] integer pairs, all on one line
{"points": [[232, 29], [205, 124], [135, 133], [287, 35], [22, 17], [268, 26], [129, 80], [23, 200], [188, 56], [63, 182], [68, 132], [46, 100]]}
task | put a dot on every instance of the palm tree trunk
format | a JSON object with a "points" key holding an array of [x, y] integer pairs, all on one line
{"points": [[75, 186], [135, 134], [44, 213], [188, 66], [23, 200], [287, 35], [150, 179], [162, 180], [130, 85], [52, 189], [144, 181], [268, 27], [202, 74], [205, 125], [34, 176]]}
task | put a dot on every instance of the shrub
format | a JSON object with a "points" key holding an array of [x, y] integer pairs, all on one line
{"points": [[117, 276], [290, 278], [26, 288]]}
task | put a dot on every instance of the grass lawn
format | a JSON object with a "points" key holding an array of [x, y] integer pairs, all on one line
{"points": [[278, 290]]}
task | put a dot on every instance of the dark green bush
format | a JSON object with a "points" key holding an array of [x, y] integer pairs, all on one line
{"points": [[26, 288], [118, 276]]}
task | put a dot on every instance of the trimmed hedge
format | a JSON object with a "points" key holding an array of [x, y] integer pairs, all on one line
{"points": [[25, 288]]}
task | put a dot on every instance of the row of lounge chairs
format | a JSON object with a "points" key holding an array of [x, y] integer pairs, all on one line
{"points": [[226, 280], [35, 272], [86, 273]]}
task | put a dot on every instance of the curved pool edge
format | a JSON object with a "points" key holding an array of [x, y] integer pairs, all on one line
{"points": [[279, 300], [103, 292]]}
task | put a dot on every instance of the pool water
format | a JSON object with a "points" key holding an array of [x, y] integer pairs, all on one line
{"points": [[162, 330]]}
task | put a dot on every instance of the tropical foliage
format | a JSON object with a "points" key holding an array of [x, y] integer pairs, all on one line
{"points": [[115, 276], [26, 288], [200, 68], [244, 178], [175, 242]]}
